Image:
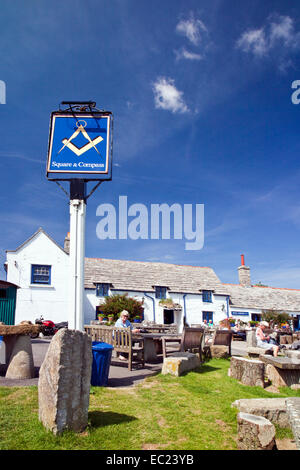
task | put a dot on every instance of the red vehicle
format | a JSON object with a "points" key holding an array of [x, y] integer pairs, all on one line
{"points": [[49, 327]]}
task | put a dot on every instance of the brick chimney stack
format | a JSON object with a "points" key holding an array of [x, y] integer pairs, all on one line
{"points": [[67, 243], [244, 273]]}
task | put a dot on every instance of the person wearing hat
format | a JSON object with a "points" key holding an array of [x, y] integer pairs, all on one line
{"points": [[263, 340], [123, 322]]}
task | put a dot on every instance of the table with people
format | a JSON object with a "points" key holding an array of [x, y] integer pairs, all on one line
{"points": [[152, 341]]}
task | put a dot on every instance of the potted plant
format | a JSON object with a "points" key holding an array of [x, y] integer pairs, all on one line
{"points": [[110, 318], [137, 319], [101, 316], [166, 303]]}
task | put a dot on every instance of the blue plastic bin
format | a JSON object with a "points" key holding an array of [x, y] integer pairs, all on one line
{"points": [[101, 363]]}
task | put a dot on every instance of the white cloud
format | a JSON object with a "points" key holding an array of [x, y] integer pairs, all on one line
{"points": [[192, 29], [278, 35], [254, 41], [283, 29], [166, 96], [184, 54]]}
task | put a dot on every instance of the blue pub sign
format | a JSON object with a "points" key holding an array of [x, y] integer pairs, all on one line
{"points": [[80, 145]]}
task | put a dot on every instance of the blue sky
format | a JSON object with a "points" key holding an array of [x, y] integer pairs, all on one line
{"points": [[201, 97]]}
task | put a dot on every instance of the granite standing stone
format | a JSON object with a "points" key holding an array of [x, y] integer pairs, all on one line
{"points": [[255, 433], [21, 364], [64, 382], [247, 371]]}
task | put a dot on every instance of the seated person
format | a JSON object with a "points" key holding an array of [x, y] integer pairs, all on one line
{"points": [[263, 340], [239, 331], [123, 322]]}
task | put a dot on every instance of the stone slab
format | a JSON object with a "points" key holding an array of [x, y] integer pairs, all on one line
{"points": [[256, 352], [281, 362], [293, 410], [273, 409], [24, 329], [178, 363], [282, 377]]}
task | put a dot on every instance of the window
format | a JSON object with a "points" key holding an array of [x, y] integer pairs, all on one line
{"points": [[160, 292], [102, 290], [3, 294], [208, 316], [40, 274], [206, 296], [255, 316]]}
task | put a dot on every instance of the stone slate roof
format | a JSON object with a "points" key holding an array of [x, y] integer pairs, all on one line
{"points": [[264, 297], [143, 276]]}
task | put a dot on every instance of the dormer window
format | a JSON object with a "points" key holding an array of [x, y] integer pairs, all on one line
{"points": [[206, 296], [160, 292], [102, 289]]}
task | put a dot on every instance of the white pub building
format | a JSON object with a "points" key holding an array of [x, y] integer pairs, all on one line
{"points": [[40, 268]]}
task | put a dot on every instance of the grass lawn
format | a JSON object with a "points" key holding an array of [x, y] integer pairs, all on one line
{"points": [[191, 412]]}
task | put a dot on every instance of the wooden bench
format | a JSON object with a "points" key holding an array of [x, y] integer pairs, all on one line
{"points": [[121, 339]]}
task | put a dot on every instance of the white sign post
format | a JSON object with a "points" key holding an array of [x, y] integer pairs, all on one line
{"points": [[77, 256]]}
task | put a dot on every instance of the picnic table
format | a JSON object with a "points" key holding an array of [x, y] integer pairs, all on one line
{"points": [[158, 328], [286, 371], [153, 343]]}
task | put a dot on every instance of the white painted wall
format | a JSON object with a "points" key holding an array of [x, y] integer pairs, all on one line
{"points": [[51, 301], [244, 318], [193, 302]]}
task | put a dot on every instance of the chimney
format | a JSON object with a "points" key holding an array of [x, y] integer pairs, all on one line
{"points": [[67, 243], [244, 273]]}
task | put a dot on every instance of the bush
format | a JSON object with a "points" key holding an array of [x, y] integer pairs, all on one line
{"points": [[275, 317], [114, 305]]}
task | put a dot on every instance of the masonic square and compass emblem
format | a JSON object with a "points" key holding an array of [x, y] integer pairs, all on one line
{"points": [[81, 124], [80, 143]]}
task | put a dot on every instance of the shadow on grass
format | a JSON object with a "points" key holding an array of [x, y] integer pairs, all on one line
{"points": [[99, 419], [203, 369]]}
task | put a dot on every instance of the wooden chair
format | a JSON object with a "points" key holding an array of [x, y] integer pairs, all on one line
{"points": [[121, 339], [191, 340], [220, 338]]}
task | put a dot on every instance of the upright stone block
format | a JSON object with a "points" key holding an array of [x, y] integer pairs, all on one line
{"points": [[219, 352], [251, 339], [21, 358], [255, 433], [64, 382], [293, 410], [248, 371]]}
